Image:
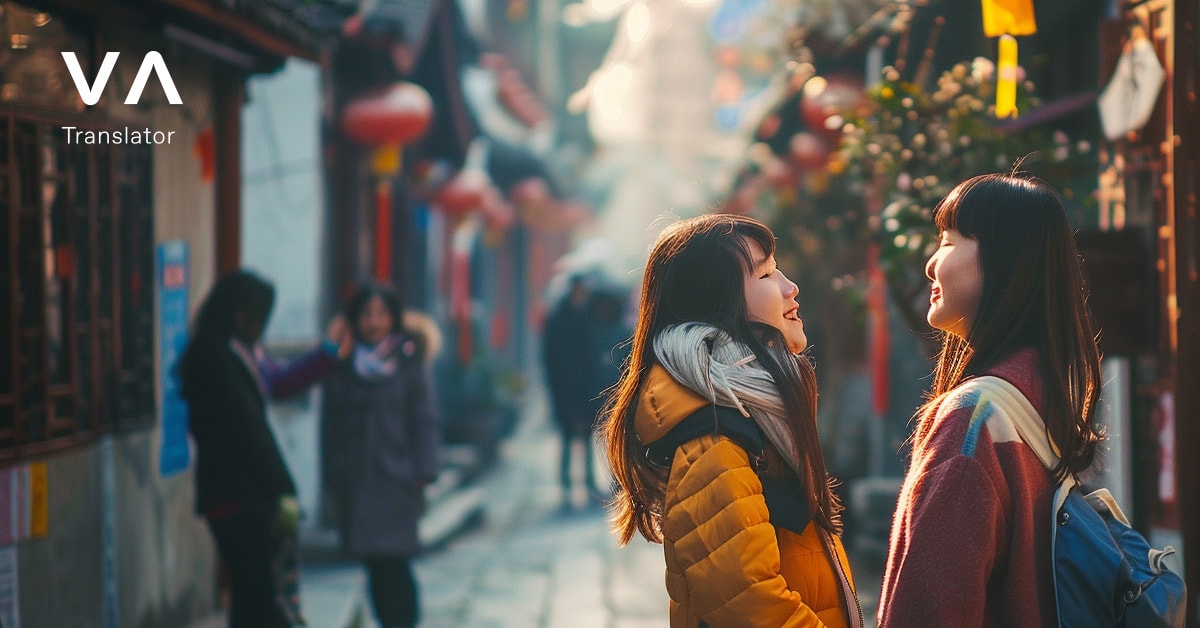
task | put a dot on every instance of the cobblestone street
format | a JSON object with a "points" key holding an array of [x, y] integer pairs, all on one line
{"points": [[537, 562]]}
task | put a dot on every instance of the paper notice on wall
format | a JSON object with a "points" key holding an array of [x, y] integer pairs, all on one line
{"points": [[10, 616], [174, 454]]}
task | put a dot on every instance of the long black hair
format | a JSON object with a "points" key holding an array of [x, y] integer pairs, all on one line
{"points": [[239, 298], [1033, 295], [696, 272]]}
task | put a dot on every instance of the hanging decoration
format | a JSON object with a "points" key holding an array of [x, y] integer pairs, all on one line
{"points": [[393, 115], [1007, 19], [1128, 100], [467, 190], [1006, 77], [1011, 17], [384, 119]]}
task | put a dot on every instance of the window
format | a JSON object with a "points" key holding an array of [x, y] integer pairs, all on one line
{"points": [[76, 273]]}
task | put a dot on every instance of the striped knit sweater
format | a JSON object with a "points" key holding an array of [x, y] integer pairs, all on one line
{"points": [[970, 542]]}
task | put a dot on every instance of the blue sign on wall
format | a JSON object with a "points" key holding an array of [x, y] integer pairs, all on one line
{"points": [[172, 274]]}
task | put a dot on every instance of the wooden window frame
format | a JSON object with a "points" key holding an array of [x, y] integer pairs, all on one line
{"points": [[84, 252]]}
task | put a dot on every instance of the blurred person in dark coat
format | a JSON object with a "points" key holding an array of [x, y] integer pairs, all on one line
{"points": [[570, 359], [243, 487], [379, 446]]}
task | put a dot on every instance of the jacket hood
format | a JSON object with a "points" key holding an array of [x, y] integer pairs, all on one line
{"points": [[662, 404], [425, 331]]}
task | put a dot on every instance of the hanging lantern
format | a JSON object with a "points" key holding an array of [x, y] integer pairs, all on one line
{"points": [[463, 193], [468, 189], [384, 119], [393, 115], [1008, 17]]}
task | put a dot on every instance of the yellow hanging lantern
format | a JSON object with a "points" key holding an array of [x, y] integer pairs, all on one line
{"points": [[1005, 18], [1008, 17]]}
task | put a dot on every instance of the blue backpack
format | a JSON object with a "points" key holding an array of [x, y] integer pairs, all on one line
{"points": [[1105, 572]]}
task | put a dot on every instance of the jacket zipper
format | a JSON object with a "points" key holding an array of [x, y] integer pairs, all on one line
{"points": [[845, 582]]}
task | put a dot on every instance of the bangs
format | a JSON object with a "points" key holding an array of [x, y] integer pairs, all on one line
{"points": [[945, 214], [749, 231]]}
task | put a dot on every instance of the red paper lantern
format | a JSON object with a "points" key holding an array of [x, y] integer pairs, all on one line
{"points": [[393, 115], [463, 193]]}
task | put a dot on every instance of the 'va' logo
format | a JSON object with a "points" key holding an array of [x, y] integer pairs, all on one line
{"points": [[152, 62]]}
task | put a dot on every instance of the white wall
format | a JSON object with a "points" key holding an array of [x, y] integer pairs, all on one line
{"points": [[282, 231]]}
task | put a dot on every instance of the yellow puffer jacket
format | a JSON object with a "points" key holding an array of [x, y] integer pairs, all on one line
{"points": [[726, 564]]}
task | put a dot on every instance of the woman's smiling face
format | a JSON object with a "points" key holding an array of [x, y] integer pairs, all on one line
{"points": [[957, 283], [375, 322], [771, 299]]}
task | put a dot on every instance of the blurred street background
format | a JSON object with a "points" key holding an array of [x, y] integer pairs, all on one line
{"points": [[483, 156]]}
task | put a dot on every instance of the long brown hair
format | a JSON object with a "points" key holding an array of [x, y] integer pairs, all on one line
{"points": [[1033, 295], [696, 272]]}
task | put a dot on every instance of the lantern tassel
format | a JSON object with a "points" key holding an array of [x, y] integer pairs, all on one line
{"points": [[1006, 78]]}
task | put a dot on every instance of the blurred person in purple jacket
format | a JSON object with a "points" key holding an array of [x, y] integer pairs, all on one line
{"points": [[243, 487], [379, 445]]}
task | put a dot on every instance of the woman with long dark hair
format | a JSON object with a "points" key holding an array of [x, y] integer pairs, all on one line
{"points": [[719, 333], [243, 487], [970, 545]]}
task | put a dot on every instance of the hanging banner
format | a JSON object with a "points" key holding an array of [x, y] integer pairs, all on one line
{"points": [[172, 291], [39, 520]]}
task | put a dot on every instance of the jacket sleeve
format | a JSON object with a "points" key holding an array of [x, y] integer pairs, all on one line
{"points": [[288, 380], [723, 555], [948, 528]]}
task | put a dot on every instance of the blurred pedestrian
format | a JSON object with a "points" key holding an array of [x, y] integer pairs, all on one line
{"points": [[243, 487], [379, 447], [968, 545], [570, 358], [750, 537], [612, 350]]}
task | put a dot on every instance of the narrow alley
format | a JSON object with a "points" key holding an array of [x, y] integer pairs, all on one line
{"points": [[526, 559]]}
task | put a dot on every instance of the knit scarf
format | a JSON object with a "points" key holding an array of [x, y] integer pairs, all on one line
{"points": [[376, 361], [727, 375]]}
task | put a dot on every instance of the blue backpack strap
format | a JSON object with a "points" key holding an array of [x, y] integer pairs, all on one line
{"points": [[786, 504]]}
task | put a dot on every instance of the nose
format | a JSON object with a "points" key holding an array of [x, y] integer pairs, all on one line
{"points": [[790, 289], [929, 267]]}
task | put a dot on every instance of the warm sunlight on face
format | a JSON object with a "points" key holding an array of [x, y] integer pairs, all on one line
{"points": [[957, 283], [771, 299]]}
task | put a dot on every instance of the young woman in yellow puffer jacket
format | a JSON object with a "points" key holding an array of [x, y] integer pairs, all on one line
{"points": [[719, 327]]}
